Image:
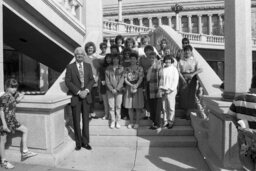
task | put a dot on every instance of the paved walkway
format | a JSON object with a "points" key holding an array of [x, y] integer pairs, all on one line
{"points": [[133, 159], [128, 159]]}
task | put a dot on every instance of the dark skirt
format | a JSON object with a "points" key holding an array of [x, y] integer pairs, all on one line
{"points": [[188, 94]]}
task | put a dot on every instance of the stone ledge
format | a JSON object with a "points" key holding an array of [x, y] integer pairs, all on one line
{"points": [[48, 159]]}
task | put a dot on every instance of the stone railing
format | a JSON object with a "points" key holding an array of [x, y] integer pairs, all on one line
{"points": [[73, 7], [203, 37], [123, 27], [209, 39]]}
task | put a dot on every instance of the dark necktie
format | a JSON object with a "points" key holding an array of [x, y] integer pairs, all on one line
{"points": [[81, 75]]}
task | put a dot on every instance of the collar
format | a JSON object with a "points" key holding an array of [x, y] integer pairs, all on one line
{"points": [[77, 64]]}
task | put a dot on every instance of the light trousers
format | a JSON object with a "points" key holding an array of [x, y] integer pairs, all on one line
{"points": [[169, 101], [115, 102]]}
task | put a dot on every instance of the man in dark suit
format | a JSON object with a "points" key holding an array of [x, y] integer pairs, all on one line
{"points": [[79, 80]]}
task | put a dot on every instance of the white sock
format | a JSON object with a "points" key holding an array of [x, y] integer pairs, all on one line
{"points": [[26, 150]]}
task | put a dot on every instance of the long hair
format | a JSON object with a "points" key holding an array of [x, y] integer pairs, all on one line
{"points": [[105, 63]]}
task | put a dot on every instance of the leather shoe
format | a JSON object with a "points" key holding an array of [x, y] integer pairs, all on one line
{"points": [[154, 127], [87, 146], [78, 148]]}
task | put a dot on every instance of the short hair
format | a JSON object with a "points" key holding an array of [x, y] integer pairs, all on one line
{"points": [[163, 40], [134, 54], [89, 44], [253, 84], [152, 53], [144, 37], [116, 56], [119, 37], [79, 48], [188, 47], [114, 46], [185, 40], [169, 57], [11, 83], [168, 48], [148, 47], [129, 39], [103, 44], [105, 40], [126, 50]]}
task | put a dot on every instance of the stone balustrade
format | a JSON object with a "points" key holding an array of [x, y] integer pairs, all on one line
{"points": [[203, 37], [73, 7], [214, 39], [191, 36], [123, 27]]}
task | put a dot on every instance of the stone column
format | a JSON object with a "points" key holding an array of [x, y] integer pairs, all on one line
{"points": [[200, 24], [177, 22], [120, 11], [238, 48], [93, 24], [220, 24], [189, 24], [170, 20], [1, 49], [210, 23], [150, 22], [159, 21], [140, 21], [43, 82]]}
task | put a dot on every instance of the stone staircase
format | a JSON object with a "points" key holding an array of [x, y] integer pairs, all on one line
{"points": [[181, 135]]}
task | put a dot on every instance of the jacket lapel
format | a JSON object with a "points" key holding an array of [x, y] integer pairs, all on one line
{"points": [[76, 71]]}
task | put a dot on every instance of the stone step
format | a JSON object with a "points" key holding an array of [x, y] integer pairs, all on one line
{"points": [[167, 141], [142, 131], [179, 113], [175, 131], [101, 122], [144, 141]]}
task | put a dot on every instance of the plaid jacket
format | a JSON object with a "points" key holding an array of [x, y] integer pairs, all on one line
{"points": [[156, 79]]}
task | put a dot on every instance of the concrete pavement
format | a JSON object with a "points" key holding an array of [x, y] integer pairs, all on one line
{"points": [[127, 159], [136, 159]]}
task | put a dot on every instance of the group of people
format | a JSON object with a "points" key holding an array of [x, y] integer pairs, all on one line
{"points": [[131, 81]]}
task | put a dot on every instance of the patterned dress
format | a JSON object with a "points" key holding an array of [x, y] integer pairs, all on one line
{"points": [[8, 106], [133, 100]]}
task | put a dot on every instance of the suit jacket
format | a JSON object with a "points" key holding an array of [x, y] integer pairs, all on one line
{"points": [[73, 82]]}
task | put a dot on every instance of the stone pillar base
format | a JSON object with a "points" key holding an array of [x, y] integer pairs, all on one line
{"points": [[229, 96]]}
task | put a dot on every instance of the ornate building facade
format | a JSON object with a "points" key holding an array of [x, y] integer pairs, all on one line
{"points": [[196, 16]]}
